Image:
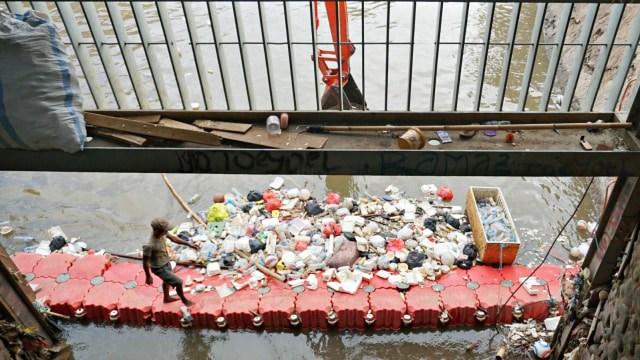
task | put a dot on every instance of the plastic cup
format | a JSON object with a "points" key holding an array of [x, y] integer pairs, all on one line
{"points": [[412, 139], [273, 125]]}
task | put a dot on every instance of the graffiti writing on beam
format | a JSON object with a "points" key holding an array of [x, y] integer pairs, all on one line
{"points": [[614, 221], [395, 163]]}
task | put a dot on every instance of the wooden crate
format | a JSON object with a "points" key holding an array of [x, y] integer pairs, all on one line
{"points": [[489, 251]]}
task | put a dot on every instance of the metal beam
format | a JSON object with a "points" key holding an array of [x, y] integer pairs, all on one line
{"points": [[625, 62], [554, 59], [460, 57], [194, 38], [506, 64], [483, 56], [328, 162], [617, 222], [174, 53], [603, 56], [585, 34], [531, 58]]}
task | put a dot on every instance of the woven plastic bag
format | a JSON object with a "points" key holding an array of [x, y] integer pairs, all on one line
{"points": [[40, 99]]}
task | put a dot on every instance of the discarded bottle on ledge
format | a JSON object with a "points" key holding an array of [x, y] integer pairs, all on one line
{"points": [[273, 125]]}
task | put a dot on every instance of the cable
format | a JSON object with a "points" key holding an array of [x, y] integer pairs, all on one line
{"points": [[586, 190]]}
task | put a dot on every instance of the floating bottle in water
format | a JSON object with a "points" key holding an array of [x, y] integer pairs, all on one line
{"points": [[26, 239], [194, 198]]}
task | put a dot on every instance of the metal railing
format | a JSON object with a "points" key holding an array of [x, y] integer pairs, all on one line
{"points": [[410, 56]]}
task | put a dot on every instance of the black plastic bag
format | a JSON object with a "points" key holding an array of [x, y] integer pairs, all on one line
{"points": [[312, 208], [349, 236], [453, 222], [254, 195], [57, 243], [471, 251], [465, 228], [430, 223], [256, 245], [415, 259]]}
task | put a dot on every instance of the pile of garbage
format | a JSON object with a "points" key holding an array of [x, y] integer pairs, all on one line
{"points": [[531, 337], [290, 233]]}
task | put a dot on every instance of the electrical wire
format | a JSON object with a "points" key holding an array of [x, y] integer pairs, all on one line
{"points": [[584, 195]]}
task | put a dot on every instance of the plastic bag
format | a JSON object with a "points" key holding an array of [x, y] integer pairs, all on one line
{"points": [[445, 193], [312, 208], [40, 98], [254, 195], [217, 212], [346, 255], [415, 259]]}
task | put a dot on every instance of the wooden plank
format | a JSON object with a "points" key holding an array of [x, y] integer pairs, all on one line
{"points": [[178, 124], [222, 126], [118, 136], [286, 140], [141, 128], [151, 119]]}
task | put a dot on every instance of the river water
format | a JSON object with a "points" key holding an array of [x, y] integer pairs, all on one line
{"points": [[112, 211]]}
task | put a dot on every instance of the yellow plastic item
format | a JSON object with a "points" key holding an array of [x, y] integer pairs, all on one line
{"points": [[217, 212]]}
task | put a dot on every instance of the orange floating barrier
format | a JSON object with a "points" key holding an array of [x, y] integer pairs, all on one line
{"points": [[275, 307], [423, 304], [388, 308], [313, 308], [88, 267], [101, 300], [350, 309], [67, 297], [54, 265], [26, 262]]}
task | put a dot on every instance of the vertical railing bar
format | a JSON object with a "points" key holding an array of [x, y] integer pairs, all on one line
{"points": [[506, 64], [585, 34], [339, 57], [220, 53], [436, 54], [129, 60], [555, 56], [364, 107], [15, 7], [533, 53], [312, 14], [314, 43], [84, 59], [174, 55], [143, 32], [246, 70], [463, 37], [483, 56], [267, 53], [624, 64], [292, 67], [411, 48], [194, 39], [97, 34], [603, 56], [386, 63]]}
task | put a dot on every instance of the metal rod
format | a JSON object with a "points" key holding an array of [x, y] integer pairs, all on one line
{"points": [[97, 34], [221, 55], [483, 57], [15, 7], [459, 61], [623, 66], [386, 64], [83, 56], [122, 38], [246, 68], [610, 125], [585, 34], [154, 66], [174, 53], [364, 108], [436, 54], [603, 56], [292, 64], [192, 31], [339, 57], [314, 34], [506, 64], [531, 58], [267, 54], [554, 60], [411, 49]]}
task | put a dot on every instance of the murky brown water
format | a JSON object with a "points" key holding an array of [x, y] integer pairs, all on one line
{"points": [[112, 211]]}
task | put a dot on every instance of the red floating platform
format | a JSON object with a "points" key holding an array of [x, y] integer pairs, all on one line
{"points": [[26, 262], [54, 265], [67, 297], [101, 300], [88, 267], [388, 308]]}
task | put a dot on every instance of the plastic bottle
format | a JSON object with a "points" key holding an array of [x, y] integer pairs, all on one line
{"points": [[194, 198], [273, 125], [25, 238]]}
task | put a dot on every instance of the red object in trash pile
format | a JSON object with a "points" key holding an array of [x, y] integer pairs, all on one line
{"points": [[445, 193]]}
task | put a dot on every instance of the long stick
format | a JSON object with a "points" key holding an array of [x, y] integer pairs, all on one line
{"points": [[182, 203], [260, 267], [140, 259], [560, 126]]}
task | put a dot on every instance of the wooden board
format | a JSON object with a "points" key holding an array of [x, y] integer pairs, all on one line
{"points": [[286, 140], [177, 124], [151, 119], [222, 126], [126, 138], [141, 128]]}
